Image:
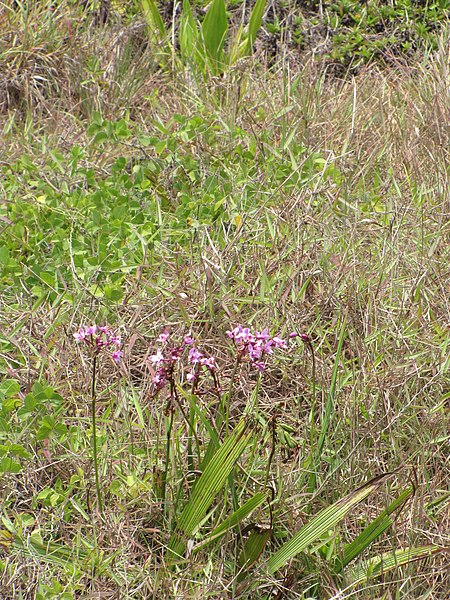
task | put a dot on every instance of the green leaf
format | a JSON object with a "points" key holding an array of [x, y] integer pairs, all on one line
{"points": [[233, 520], [214, 28], [4, 255], [373, 531], [153, 18], [321, 523], [9, 387], [255, 23], [210, 483], [377, 566], [8, 465], [189, 35], [253, 548]]}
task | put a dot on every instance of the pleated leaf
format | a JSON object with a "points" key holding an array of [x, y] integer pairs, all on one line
{"points": [[253, 548], [210, 483], [153, 18], [379, 565], [189, 34], [321, 524], [255, 23], [214, 28], [373, 530], [233, 520]]}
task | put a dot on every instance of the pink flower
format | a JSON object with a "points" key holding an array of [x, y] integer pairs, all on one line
{"points": [[163, 337], [159, 378], [117, 355], [158, 358], [99, 338], [208, 362], [256, 345], [194, 355], [279, 343]]}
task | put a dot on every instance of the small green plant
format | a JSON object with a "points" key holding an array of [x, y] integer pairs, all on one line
{"points": [[205, 45]]}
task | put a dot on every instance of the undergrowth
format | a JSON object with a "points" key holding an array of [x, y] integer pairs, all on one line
{"points": [[224, 310]]}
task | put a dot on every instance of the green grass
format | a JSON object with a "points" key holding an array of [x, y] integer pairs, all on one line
{"points": [[272, 197]]}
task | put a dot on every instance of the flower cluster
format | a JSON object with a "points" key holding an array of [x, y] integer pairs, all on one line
{"points": [[165, 359], [256, 345], [99, 338]]}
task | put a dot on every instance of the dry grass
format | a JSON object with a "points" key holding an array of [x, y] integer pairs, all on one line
{"points": [[368, 246]]}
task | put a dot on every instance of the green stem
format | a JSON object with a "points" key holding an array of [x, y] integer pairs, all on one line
{"points": [[312, 422], [166, 466], [94, 436], [224, 414], [273, 432]]}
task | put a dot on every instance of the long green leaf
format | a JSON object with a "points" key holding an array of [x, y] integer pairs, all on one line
{"points": [[153, 18], [320, 524], [379, 565], [253, 549], [373, 531], [189, 35], [255, 23], [234, 519], [210, 483], [214, 28]]}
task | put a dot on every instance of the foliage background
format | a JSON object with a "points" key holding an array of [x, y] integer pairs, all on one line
{"points": [[305, 188]]}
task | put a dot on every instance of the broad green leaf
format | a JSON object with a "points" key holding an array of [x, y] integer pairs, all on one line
{"points": [[320, 524], [233, 520], [373, 531], [153, 18], [210, 483], [255, 23], [189, 35], [214, 28], [379, 565], [253, 548]]}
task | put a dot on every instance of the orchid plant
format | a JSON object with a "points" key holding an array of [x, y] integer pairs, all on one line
{"points": [[177, 366], [182, 371], [98, 340]]}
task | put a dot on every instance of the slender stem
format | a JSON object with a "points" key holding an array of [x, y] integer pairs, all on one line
{"points": [[312, 418], [94, 436], [166, 466], [225, 411], [314, 400], [273, 432]]}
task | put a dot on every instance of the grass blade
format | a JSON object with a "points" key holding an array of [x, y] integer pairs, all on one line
{"points": [[327, 415]]}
